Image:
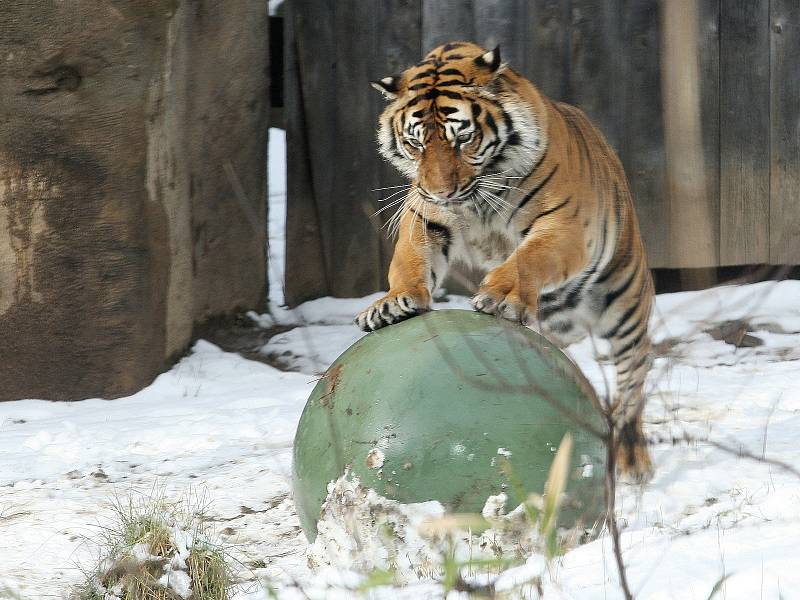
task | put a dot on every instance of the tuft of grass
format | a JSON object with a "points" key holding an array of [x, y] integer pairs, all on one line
{"points": [[157, 549], [9, 593]]}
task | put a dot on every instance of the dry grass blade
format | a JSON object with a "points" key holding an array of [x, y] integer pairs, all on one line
{"points": [[452, 523], [554, 489], [557, 477]]}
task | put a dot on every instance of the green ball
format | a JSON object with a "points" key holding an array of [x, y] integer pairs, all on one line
{"points": [[436, 407]]}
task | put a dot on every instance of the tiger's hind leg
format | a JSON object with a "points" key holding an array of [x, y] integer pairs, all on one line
{"points": [[561, 324], [623, 323], [632, 360], [633, 457]]}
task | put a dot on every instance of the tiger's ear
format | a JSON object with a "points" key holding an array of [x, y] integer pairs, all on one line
{"points": [[489, 60], [388, 86]]}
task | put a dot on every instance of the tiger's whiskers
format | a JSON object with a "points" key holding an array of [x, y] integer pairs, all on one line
{"points": [[410, 202], [392, 195], [499, 199], [393, 187], [491, 200], [390, 205], [499, 186]]}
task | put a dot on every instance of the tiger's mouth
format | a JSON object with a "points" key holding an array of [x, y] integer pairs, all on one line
{"points": [[460, 195], [451, 201]]}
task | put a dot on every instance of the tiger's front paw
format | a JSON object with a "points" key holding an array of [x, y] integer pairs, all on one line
{"points": [[392, 308], [501, 294], [504, 301]]}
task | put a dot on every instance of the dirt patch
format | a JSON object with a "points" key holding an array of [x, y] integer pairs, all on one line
{"points": [[240, 334], [332, 376], [735, 333]]}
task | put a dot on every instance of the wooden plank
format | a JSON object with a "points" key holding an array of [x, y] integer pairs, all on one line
{"points": [[784, 232], [708, 41], [355, 242], [504, 23], [642, 139], [692, 218], [595, 62], [306, 273], [547, 57], [744, 131], [446, 21]]}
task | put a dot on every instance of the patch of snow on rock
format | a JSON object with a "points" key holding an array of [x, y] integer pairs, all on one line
{"points": [[375, 458]]}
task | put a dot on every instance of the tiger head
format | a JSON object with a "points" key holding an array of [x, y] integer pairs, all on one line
{"points": [[459, 114]]}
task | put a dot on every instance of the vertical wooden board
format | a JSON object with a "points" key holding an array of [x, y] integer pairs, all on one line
{"points": [[784, 232], [399, 46], [693, 219], [547, 55], [596, 63], [355, 258], [304, 270], [744, 131], [642, 139], [399, 39], [708, 44], [316, 49], [446, 21], [503, 23]]}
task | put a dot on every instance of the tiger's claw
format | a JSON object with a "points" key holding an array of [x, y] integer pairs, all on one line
{"points": [[390, 309], [510, 306]]}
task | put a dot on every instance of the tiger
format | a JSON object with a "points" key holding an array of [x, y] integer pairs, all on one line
{"points": [[528, 191]]}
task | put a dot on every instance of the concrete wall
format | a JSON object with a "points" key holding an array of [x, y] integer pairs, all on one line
{"points": [[132, 185]]}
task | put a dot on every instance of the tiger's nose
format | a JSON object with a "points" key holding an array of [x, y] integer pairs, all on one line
{"points": [[444, 192]]}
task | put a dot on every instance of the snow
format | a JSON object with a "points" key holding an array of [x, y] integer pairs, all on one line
{"points": [[215, 420], [494, 505], [375, 458], [223, 425], [276, 219], [349, 527], [179, 581], [360, 531]]}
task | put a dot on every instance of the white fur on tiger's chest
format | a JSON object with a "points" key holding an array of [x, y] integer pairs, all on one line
{"points": [[481, 242]]}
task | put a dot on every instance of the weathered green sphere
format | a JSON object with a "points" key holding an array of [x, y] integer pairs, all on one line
{"points": [[429, 409]]}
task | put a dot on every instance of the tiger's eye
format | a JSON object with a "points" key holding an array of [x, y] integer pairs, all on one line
{"points": [[464, 137]]}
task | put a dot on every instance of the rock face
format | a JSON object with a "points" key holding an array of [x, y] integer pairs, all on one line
{"points": [[132, 186]]}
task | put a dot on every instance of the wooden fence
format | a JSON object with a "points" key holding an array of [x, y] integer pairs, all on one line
{"points": [[601, 55]]}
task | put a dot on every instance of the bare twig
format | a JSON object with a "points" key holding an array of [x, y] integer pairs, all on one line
{"points": [[611, 493], [739, 451]]}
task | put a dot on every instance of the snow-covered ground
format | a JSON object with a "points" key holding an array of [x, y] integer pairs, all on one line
{"points": [[222, 426]]}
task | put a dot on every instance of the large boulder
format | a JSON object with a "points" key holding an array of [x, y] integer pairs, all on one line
{"points": [[132, 180]]}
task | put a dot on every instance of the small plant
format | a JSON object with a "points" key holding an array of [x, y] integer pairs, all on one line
{"points": [[157, 549], [9, 593]]}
